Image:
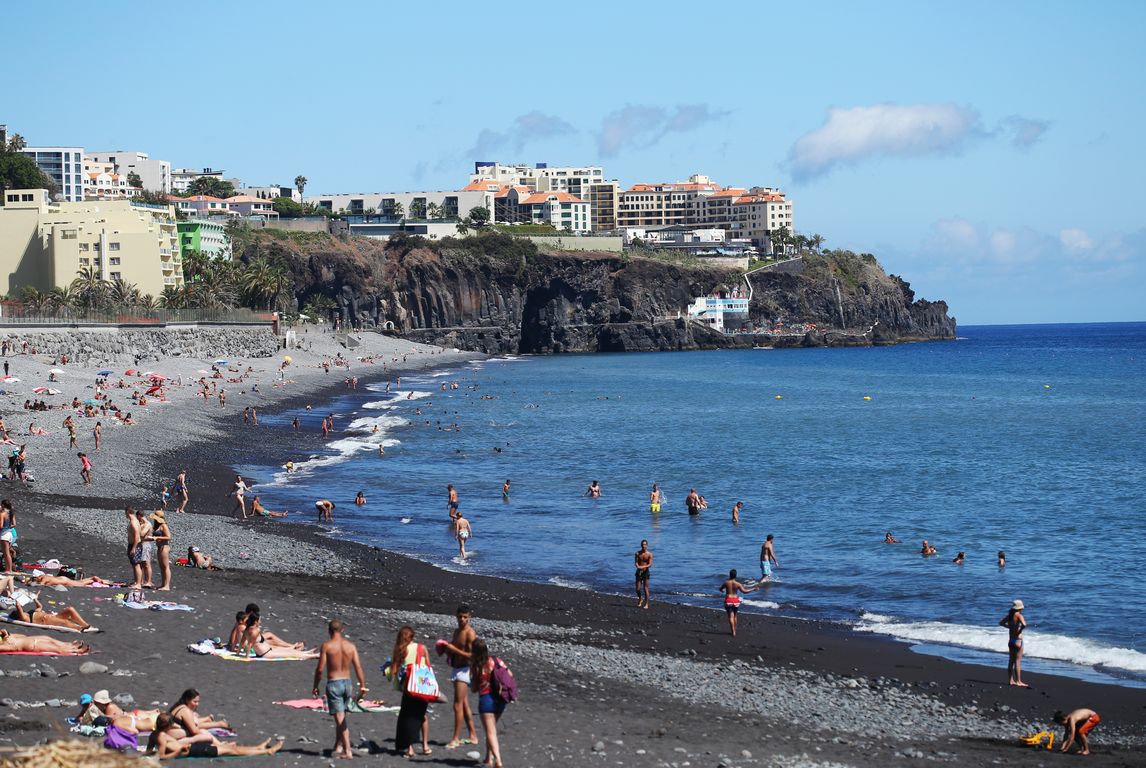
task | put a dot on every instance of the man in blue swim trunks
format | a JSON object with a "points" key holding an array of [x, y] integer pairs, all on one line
{"points": [[768, 559], [337, 657]]}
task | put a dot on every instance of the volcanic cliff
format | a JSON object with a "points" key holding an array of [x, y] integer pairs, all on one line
{"points": [[498, 294]]}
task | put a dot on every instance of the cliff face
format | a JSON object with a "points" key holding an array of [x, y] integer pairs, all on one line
{"points": [[496, 294]]}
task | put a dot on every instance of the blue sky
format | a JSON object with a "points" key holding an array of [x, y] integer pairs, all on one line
{"points": [[990, 153]]}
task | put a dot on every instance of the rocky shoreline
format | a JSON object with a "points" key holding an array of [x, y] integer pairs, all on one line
{"points": [[601, 681]]}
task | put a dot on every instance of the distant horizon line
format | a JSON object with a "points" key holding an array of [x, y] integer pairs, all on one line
{"points": [[1084, 322]]}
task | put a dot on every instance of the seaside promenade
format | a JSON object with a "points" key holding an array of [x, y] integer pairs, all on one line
{"points": [[601, 682]]}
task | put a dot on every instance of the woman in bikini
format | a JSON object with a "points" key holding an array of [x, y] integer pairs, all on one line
{"points": [[11, 643], [66, 618], [181, 491], [1015, 624], [161, 535], [166, 742], [255, 643], [185, 714]]}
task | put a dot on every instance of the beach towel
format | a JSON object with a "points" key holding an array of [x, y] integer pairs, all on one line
{"points": [[40, 653], [319, 705], [210, 648], [8, 620], [154, 605]]}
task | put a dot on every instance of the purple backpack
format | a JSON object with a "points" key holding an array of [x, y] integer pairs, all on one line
{"points": [[117, 738], [502, 684]]}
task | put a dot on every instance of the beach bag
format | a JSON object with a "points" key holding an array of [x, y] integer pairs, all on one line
{"points": [[420, 680], [117, 738], [502, 683]]}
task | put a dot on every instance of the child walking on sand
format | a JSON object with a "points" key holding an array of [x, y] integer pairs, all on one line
{"points": [[85, 468]]}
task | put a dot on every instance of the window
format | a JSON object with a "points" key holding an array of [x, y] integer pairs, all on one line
{"points": [[115, 276], [83, 247], [114, 261], [113, 246]]}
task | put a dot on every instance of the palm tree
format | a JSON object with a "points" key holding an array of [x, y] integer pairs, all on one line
{"points": [[280, 281], [60, 297], [148, 302], [256, 281], [195, 263], [433, 211], [816, 241], [33, 298], [89, 287], [122, 293], [300, 184], [16, 143], [171, 298]]}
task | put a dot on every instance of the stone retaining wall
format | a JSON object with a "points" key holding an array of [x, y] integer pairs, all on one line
{"points": [[99, 346]]}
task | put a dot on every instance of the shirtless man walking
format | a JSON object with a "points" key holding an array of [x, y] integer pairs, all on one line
{"points": [[643, 562], [458, 655], [452, 501], [768, 559], [732, 589], [337, 657]]}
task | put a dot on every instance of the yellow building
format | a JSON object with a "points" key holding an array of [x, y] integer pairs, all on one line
{"points": [[45, 244]]}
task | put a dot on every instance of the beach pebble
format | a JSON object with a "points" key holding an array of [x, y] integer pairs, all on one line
{"points": [[19, 673], [53, 702], [46, 670], [6, 702], [599, 746], [91, 668], [473, 755], [746, 754], [124, 700]]}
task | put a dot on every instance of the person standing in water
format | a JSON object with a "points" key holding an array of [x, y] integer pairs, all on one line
{"points": [[736, 512], [644, 563], [692, 501], [768, 559], [732, 590], [594, 490], [463, 531], [655, 499], [452, 501], [1015, 624], [505, 491]]}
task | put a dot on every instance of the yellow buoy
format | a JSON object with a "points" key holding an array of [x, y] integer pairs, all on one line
{"points": [[779, 398], [867, 397], [1046, 386]]}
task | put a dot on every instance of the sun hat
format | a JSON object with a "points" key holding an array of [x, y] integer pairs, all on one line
{"points": [[101, 697], [1017, 605], [86, 698], [158, 515]]}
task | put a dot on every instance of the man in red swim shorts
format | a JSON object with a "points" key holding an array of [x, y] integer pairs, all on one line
{"points": [[1078, 724]]}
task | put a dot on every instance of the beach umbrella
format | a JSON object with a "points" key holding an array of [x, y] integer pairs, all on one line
{"points": [[46, 391], [90, 401], [156, 376], [130, 372], [56, 371], [153, 390], [10, 380], [222, 362], [101, 373], [288, 359]]}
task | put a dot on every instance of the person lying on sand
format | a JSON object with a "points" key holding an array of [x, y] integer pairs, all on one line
{"points": [[255, 643], [13, 643], [164, 743], [48, 580], [257, 508], [35, 614]]}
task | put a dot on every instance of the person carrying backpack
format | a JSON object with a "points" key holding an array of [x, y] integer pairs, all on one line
{"points": [[496, 688]]}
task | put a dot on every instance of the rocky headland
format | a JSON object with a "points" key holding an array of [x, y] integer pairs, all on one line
{"points": [[497, 294]]}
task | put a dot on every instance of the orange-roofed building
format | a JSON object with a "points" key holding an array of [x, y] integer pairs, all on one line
{"points": [[561, 210], [249, 205]]}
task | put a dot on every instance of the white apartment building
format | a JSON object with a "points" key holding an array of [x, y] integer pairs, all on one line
{"points": [[155, 175], [452, 204], [753, 214], [45, 244], [103, 183], [271, 192], [560, 210], [181, 178], [585, 182], [249, 205], [65, 167], [201, 206]]}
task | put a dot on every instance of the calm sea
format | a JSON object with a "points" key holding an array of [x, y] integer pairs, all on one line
{"points": [[1028, 439]]}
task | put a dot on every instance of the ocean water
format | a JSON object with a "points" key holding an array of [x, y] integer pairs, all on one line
{"points": [[1028, 439]]}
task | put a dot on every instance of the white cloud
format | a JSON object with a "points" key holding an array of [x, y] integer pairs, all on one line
{"points": [[1025, 132], [1074, 239], [643, 126], [850, 135], [530, 127]]}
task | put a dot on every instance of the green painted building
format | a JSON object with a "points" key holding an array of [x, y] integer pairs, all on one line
{"points": [[209, 237]]}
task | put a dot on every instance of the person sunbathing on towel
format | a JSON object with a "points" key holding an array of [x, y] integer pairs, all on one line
{"points": [[254, 643], [185, 713], [48, 580], [166, 744], [197, 559], [12, 643], [235, 640], [66, 617]]}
